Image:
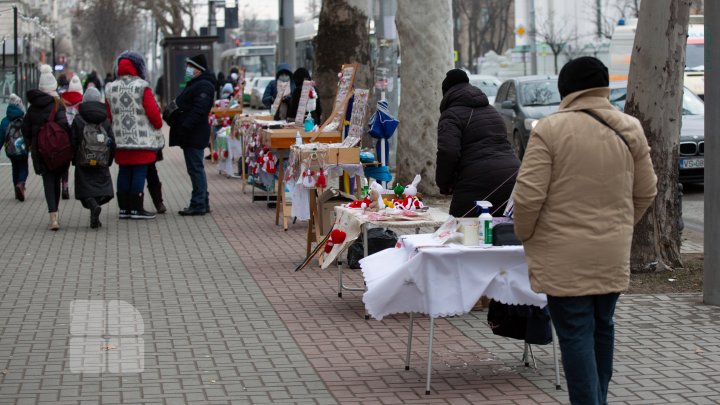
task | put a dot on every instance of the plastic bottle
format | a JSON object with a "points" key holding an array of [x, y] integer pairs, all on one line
{"points": [[298, 138], [365, 187], [485, 225], [309, 124]]}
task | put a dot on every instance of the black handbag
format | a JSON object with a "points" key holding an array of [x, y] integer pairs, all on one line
{"points": [[523, 322], [171, 112], [504, 235]]}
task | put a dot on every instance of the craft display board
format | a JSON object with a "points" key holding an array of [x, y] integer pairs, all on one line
{"points": [[220, 113], [302, 105], [342, 97], [357, 118], [283, 89]]}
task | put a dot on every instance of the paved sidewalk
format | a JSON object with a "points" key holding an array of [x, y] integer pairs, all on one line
{"points": [[227, 321]]}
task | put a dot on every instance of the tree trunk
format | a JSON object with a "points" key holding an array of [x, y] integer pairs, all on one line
{"points": [[655, 98], [425, 34], [342, 38]]}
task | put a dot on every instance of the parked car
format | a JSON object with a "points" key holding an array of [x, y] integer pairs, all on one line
{"points": [[521, 102], [691, 159], [488, 84], [258, 88]]}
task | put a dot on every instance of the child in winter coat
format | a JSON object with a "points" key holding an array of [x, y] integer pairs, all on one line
{"points": [[93, 141], [72, 97], [11, 138], [44, 101]]}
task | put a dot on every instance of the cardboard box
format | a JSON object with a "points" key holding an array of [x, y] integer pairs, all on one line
{"points": [[284, 138], [327, 201], [333, 156]]}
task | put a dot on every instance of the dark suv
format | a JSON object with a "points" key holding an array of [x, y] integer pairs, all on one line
{"points": [[521, 102], [691, 159]]}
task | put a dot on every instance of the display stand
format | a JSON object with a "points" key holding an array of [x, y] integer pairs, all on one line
{"points": [[219, 113], [240, 125], [280, 141]]}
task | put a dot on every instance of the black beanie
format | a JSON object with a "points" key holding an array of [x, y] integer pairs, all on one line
{"points": [[300, 75], [198, 62], [582, 74], [453, 77]]}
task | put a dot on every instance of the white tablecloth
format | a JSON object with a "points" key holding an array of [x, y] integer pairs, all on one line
{"points": [[422, 277]]}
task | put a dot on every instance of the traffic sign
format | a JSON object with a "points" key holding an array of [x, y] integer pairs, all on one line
{"points": [[520, 30]]}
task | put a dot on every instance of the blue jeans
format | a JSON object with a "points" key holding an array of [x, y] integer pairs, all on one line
{"points": [[586, 333], [19, 169], [131, 178], [196, 170]]}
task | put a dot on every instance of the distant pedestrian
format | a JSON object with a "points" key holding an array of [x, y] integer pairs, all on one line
{"points": [[191, 130], [11, 138], [94, 143], [585, 180], [63, 83], [72, 99], [46, 106], [136, 123], [93, 80], [283, 74]]}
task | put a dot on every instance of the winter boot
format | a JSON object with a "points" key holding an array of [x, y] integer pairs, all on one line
{"points": [[65, 190], [20, 192], [123, 204], [54, 225], [156, 195], [137, 211], [94, 212]]}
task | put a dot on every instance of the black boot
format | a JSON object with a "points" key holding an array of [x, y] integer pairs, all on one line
{"points": [[156, 196], [137, 211], [94, 212], [65, 190], [123, 204]]}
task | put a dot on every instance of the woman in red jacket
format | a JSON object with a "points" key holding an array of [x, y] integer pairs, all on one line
{"points": [[136, 123]]}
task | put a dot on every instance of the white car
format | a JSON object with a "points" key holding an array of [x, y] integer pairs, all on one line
{"points": [[488, 84]]}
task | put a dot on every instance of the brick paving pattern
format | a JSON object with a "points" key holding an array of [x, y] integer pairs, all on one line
{"points": [[227, 321]]}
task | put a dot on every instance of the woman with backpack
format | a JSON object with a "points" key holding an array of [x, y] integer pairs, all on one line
{"points": [[93, 142], [72, 97], [46, 133], [136, 123], [11, 138]]}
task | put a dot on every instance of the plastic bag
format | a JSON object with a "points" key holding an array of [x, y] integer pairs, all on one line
{"points": [[379, 239]]}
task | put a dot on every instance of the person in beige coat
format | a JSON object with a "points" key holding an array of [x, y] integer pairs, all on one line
{"points": [[585, 180]]}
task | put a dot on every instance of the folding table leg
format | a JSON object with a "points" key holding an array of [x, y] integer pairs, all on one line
{"points": [[340, 283], [429, 361], [555, 358], [409, 345]]}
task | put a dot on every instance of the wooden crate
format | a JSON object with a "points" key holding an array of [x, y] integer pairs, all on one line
{"points": [[284, 138], [226, 112], [332, 156]]}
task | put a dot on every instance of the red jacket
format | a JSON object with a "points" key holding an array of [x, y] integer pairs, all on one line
{"points": [[125, 157]]}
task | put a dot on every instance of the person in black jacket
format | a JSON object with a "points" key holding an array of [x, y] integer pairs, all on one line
{"points": [[299, 76], [93, 185], [191, 130], [42, 102], [475, 161]]}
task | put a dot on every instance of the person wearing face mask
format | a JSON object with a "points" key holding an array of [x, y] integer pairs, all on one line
{"points": [[284, 72], [191, 130]]}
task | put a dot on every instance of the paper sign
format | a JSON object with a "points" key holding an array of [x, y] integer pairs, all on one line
{"points": [[357, 118], [302, 106]]}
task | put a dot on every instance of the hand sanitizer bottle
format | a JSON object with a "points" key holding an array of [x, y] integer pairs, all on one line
{"points": [[485, 226], [298, 138], [309, 124]]}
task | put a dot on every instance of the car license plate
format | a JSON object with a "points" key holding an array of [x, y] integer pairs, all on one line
{"points": [[692, 163]]}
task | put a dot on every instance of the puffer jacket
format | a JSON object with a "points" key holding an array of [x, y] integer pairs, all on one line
{"points": [[578, 195], [474, 157], [13, 112], [271, 90], [41, 105], [191, 129]]}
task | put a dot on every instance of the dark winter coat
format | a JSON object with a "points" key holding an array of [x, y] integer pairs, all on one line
{"points": [[92, 182], [13, 112], [271, 89], [191, 129], [474, 156], [41, 105]]}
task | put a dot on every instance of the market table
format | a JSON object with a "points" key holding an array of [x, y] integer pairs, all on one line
{"points": [[354, 221], [423, 276]]}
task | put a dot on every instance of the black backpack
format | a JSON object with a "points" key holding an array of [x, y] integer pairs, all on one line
{"points": [[14, 142], [94, 149]]}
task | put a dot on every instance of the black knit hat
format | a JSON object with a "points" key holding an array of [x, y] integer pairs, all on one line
{"points": [[453, 77], [198, 62], [300, 75], [582, 74]]}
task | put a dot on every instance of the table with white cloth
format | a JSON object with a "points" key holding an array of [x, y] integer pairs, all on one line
{"points": [[423, 276], [355, 221]]}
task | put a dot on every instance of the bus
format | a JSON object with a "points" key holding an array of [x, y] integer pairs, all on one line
{"points": [[260, 60], [621, 46]]}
